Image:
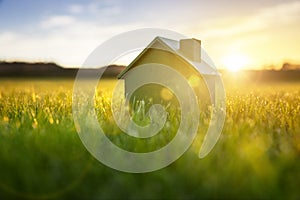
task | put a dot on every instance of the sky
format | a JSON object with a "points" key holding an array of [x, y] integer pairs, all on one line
{"points": [[236, 34]]}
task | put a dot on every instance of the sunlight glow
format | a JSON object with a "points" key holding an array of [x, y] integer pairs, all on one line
{"points": [[194, 81], [236, 61], [166, 94]]}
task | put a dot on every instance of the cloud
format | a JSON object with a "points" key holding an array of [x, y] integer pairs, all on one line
{"points": [[68, 39], [96, 8], [75, 8], [279, 16], [269, 35], [285, 13], [57, 21], [65, 39], [69, 45]]}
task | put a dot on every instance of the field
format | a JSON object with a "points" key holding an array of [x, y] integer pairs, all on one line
{"points": [[41, 155]]}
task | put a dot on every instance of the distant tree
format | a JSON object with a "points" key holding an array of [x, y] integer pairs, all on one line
{"points": [[269, 67], [288, 66]]}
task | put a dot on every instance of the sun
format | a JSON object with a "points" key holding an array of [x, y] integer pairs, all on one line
{"points": [[235, 61]]}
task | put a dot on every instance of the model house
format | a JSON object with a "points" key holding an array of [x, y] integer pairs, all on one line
{"points": [[184, 56]]}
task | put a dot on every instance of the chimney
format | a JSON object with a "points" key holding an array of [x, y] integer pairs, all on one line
{"points": [[191, 49]]}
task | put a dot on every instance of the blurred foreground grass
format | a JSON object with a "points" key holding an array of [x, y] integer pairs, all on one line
{"points": [[41, 155]]}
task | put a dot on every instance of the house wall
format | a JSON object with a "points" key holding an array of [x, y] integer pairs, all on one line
{"points": [[172, 60]]}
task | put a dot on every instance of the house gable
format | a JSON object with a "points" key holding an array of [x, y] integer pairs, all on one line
{"points": [[173, 47], [157, 43]]}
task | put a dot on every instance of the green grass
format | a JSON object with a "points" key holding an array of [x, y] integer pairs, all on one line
{"points": [[41, 155]]}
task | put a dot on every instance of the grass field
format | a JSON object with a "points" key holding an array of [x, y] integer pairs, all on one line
{"points": [[41, 155]]}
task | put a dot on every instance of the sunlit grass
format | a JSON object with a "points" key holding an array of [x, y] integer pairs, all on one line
{"points": [[41, 155]]}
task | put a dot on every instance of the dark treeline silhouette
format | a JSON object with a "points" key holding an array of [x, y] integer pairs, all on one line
{"points": [[24, 69], [288, 66], [263, 75], [288, 72]]}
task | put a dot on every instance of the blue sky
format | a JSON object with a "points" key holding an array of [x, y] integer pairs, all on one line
{"points": [[266, 31]]}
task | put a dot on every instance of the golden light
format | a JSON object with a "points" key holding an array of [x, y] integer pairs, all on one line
{"points": [[166, 94], [194, 81], [236, 61]]}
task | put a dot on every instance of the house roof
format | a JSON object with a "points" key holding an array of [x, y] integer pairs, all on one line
{"points": [[204, 67]]}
